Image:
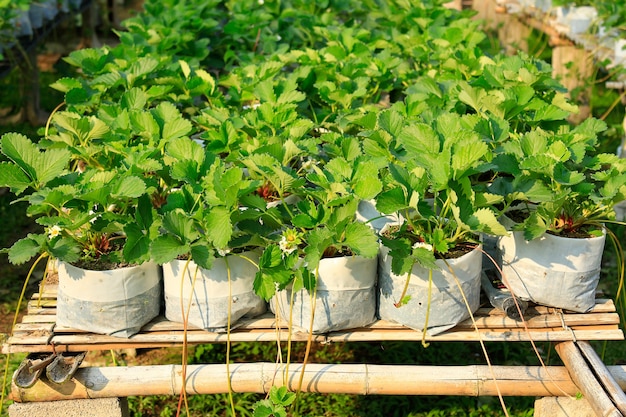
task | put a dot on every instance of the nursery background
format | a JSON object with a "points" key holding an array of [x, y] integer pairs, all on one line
{"points": [[34, 59]]}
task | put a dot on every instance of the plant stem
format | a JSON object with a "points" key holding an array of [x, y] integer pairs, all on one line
{"points": [[230, 301], [428, 303]]}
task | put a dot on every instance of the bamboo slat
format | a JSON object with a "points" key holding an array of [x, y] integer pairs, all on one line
{"points": [[37, 331], [585, 379], [603, 375]]}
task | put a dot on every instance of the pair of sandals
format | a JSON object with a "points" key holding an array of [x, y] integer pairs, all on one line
{"points": [[60, 367]]}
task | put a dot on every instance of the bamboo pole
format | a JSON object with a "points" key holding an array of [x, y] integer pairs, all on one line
{"points": [[611, 386], [586, 381], [362, 379]]}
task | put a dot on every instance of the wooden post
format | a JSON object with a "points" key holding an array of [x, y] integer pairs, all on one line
{"points": [[514, 35], [454, 4], [488, 11], [574, 67]]}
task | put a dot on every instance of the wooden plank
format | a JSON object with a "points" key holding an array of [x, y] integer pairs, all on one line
{"points": [[40, 318], [102, 342], [29, 327], [542, 324], [81, 345], [38, 305]]}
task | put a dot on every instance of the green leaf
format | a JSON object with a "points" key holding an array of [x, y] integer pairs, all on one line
{"points": [[263, 285], [66, 84], [467, 155], [282, 396], [418, 139], [184, 66], [265, 91], [391, 201], [41, 167], [13, 177], [426, 257], [176, 128], [271, 257], [391, 121], [264, 409], [65, 249], [207, 78], [76, 96], [219, 226], [144, 212], [184, 149], [366, 182], [166, 248], [550, 112], [472, 96], [144, 124], [141, 67], [186, 170], [134, 99], [23, 250], [130, 187], [564, 176], [137, 246], [485, 220], [177, 223], [361, 239], [202, 255]]}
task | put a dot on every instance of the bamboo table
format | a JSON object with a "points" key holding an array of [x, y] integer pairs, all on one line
{"points": [[583, 372]]}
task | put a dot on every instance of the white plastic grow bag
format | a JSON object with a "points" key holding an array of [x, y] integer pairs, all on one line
{"points": [[345, 299], [209, 291], [447, 304], [552, 270], [116, 302]]}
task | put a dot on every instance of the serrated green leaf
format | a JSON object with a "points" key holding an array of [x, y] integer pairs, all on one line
{"points": [[426, 258], [66, 84], [141, 67], [282, 396], [419, 138], [361, 239], [467, 155], [472, 96], [137, 245], [263, 408], [176, 128], [23, 250], [134, 99], [130, 187], [391, 201], [550, 112], [207, 78], [41, 167], [144, 124], [485, 220], [202, 255], [184, 66], [13, 177], [265, 91], [166, 248], [219, 226], [76, 96]]}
